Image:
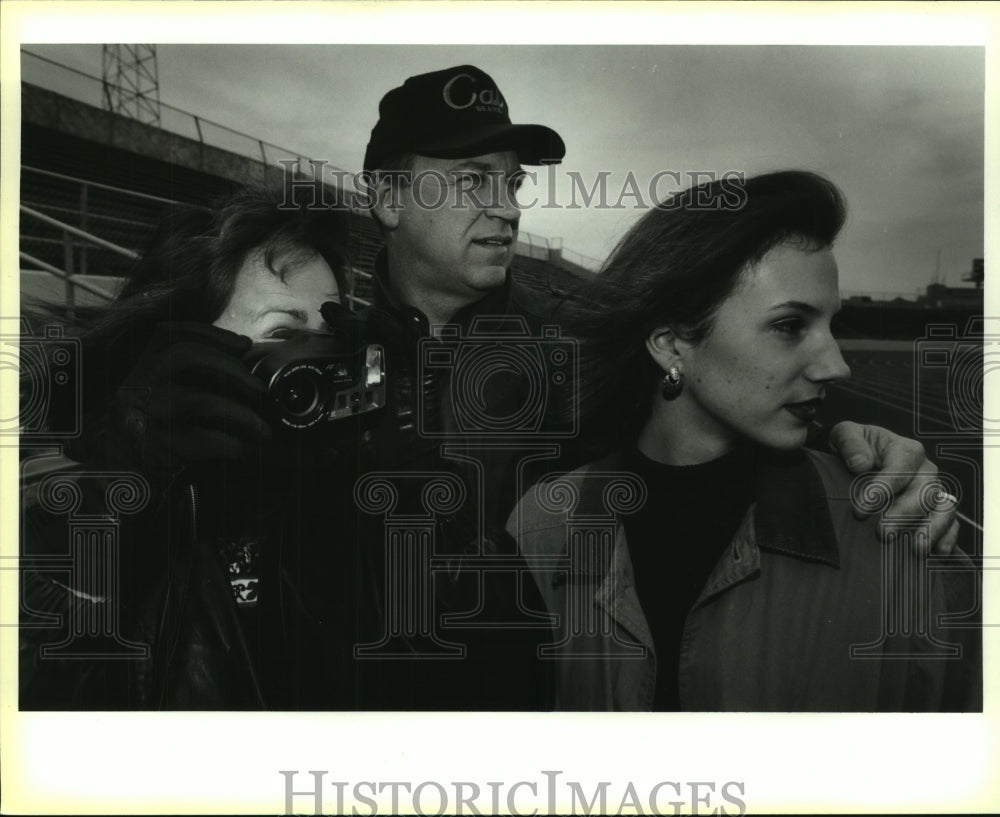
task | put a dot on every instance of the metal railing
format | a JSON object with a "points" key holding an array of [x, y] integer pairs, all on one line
{"points": [[85, 217], [587, 262], [97, 185], [70, 230], [76, 280], [73, 280], [354, 299], [78, 238], [534, 246], [198, 127]]}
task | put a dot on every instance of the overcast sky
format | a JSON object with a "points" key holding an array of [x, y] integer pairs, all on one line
{"points": [[899, 128]]}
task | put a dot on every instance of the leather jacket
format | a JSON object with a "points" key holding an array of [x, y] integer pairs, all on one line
{"points": [[237, 591], [211, 596]]}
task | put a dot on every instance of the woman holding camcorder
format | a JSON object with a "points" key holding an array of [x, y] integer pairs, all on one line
{"points": [[225, 580]]}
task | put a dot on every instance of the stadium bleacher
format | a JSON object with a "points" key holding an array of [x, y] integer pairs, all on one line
{"points": [[122, 217], [119, 181]]}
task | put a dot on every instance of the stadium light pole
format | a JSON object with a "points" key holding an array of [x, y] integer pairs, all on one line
{"points": [[131, 82]]}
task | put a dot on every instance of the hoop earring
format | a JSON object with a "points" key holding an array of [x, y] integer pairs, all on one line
{"points": [[672, 383]]}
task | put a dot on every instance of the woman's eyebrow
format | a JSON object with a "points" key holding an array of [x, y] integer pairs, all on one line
{"points": [[297, 314], [802, 306]]}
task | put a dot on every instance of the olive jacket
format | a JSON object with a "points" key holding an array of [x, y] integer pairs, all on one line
{"points": [[806, 611]]}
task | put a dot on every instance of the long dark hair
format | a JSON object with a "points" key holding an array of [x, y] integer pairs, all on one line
{"points": [[675, 267], [188, 272]]}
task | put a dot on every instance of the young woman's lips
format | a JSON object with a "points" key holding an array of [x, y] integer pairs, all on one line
{"points": [[804, 411]]}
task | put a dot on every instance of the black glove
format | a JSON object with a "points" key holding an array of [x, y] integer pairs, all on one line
{"points": [[190, 400]]}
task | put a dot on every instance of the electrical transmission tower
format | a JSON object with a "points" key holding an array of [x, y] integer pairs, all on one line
{"points": [[132, 82]]}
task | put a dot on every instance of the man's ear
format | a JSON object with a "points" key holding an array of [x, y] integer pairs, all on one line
{"points": [[387, 205]]}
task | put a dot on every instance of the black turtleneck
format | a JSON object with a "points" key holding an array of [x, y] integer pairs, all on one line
{"points": [[676, 539]]}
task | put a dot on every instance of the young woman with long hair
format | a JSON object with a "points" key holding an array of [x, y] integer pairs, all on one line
{"points": [[707, 560]]}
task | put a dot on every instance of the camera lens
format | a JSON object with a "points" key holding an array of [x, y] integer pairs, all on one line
{"points": [[298, 395]]}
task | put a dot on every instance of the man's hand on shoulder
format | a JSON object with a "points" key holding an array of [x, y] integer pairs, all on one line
{"points": [[901, 465]]}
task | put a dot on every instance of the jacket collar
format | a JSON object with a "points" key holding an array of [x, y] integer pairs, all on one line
{"points": [[791, 513], [498, 302]]}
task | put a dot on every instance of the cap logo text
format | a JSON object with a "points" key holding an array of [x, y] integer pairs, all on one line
{"points": [[488, 96]]}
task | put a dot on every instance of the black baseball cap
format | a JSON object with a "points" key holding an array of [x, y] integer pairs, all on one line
{"points": [[452, 114]]}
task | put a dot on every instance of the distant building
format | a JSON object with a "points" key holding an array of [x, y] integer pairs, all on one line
{"points": [[939, 296], [864, 316], [976, 273]]}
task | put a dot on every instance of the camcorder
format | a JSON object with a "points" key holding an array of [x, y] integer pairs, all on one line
{"points": [[324, 383]]}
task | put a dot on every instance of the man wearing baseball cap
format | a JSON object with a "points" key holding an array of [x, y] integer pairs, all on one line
{"points": [[445, 161], [454, 113]]}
